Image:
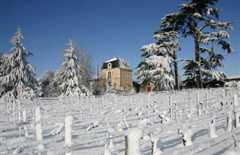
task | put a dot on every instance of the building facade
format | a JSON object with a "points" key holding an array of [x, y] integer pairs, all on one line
{"points": [[116, 74]]}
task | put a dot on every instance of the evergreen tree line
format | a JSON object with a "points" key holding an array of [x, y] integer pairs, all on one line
{"points": [[18, 78], [200, 21]]}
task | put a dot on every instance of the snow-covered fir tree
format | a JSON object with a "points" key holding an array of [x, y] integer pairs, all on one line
{"points": [[1, 64], [157, 60], [200, 20], [1, 70], [17, 76], [68, 79]]}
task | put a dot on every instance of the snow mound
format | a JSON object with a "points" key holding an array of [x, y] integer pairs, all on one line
{"points": [[231, 153]]}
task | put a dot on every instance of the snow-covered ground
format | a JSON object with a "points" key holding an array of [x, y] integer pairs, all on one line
{"points": [[157, 123]]}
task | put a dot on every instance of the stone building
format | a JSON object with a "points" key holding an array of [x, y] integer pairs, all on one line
{"points": [[116, 74]]}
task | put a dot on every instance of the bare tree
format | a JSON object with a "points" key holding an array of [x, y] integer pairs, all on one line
{"points": [[86, 67]]}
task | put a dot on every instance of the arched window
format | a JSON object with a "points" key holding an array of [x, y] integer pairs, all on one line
{"points": [[109, 65]]}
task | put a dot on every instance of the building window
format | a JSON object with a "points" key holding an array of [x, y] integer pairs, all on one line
{"points": [[126, 76], [109, 65], [109, 75]]}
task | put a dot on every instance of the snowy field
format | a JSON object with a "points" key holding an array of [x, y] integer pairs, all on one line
{"points": [[158, 123]]}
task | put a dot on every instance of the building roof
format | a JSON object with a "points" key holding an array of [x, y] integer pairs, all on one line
{"points": [[116, 63], [233, 78]]}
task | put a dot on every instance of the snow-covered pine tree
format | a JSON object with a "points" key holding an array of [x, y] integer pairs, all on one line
{"points": [[1, 70], [200, 20], [170, 40], [210, 73], [68, 79], [156, 65], [1, 64], [17, 75]]}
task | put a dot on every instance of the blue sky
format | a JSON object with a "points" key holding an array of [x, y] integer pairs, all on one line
{"points": [[104, 28]]}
